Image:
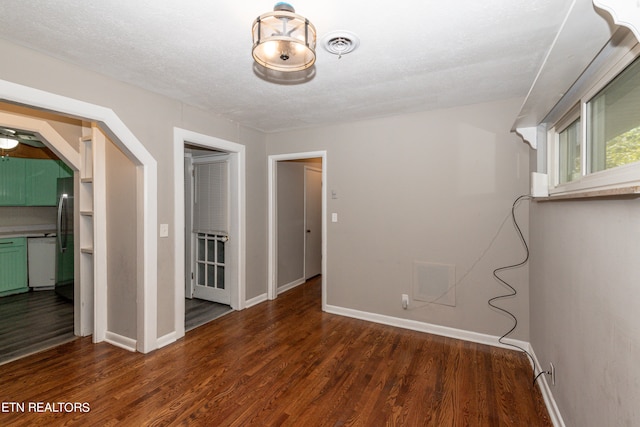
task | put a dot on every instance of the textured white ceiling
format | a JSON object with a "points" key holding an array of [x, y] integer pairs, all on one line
{"points": [[414, 55]]}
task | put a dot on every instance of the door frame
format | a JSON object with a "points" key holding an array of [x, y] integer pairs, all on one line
{"points": [[308, 169], [272, 283], [147, 197], [237, 218]]}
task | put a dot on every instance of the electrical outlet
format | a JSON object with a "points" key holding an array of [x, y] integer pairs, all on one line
{"points": [[405, 301], [552, 372]]}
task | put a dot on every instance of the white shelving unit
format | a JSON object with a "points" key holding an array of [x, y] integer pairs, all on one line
{"points": [[92, 227]]}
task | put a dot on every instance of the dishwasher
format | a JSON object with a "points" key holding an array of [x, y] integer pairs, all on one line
{"points": [[41, 254]]}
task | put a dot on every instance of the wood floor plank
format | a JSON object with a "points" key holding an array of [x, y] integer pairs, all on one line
{"points": [[281, 363], [33, 321]]}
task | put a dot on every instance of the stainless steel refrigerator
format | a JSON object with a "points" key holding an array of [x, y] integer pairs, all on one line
{"points": [[64, 243]]}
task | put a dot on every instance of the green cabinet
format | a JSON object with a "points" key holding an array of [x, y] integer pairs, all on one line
{"points": [[13, 188], [31, 182], [13, 266], [41, 181], [65, 171]]}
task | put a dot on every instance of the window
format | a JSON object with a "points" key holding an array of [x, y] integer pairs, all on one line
{"points": [[210, 260], [596, 145], [570, 160], [613, 131]]}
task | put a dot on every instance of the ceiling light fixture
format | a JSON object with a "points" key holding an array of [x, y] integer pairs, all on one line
{"points": [[8, 143], [283, 40]]}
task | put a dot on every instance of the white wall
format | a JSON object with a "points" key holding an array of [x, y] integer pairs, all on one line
{"points": [[585, 289], [432, 186], [291, 219], [68, 128], [152, 118], [15, 216], [121, 246], [290, 207]]}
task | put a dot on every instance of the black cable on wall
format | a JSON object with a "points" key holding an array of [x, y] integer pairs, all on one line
{"points": [[512, 292]]}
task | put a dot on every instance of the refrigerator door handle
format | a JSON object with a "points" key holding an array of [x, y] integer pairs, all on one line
{"points": [[59, 223]]}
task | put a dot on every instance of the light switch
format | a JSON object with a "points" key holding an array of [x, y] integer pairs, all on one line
{"points": [[164, 230], [334, 217]]}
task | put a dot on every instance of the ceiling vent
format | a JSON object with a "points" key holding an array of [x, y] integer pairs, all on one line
{"points": [[340, 42]]}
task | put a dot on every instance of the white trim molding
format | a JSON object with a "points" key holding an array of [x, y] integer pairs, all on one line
{"points": [[429, 328], [529, 135], [237, 212], [57, 144], [547, 396], [120, 341], [284, 288], [256, 300], [120, 135], [625, 13], [460, 334], [556, 74], [272, 267], [167, 339]]}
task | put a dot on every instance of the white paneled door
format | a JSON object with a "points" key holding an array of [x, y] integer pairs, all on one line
{"points": [[210, 229]]}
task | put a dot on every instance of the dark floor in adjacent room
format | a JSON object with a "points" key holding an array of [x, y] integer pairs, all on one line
{"points": [[197, 312], [33, 321], [37, 320]]}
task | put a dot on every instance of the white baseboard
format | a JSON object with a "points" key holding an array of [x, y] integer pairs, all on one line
{"points": [[549, 401], [165, 340], [255, 301], [284, 288], [120, 341], [429, 328], [460, 334]]}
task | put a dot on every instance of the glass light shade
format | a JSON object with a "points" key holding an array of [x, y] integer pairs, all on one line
{"points": [[8, 143], [284, 41]]}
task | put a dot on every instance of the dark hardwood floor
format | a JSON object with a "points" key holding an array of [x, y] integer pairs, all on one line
{"points": [[33, 321], [282, 362]]}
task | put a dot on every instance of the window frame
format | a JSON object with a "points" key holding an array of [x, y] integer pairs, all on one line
{"points": [[621, 177], [554, 150]]}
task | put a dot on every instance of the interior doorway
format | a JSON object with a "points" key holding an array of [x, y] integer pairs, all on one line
{"points": [[291, 235], [38, 300], [36, 257], [37, 250], [213, 254], [207, 290]]}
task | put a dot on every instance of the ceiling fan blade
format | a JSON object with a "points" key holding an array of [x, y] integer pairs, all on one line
{"points": [[31, 143], [29, 139], [7, 132]]}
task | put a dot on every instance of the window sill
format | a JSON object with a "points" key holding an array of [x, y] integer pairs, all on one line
{"points": [[623, 192]]}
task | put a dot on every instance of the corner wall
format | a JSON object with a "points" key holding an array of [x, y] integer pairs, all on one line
{"points": [[585, 289], [121, 191], [433, 186], [290, 202]]}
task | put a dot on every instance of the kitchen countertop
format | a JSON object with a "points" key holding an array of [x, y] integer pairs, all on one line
{"points": [[40, 230]]}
